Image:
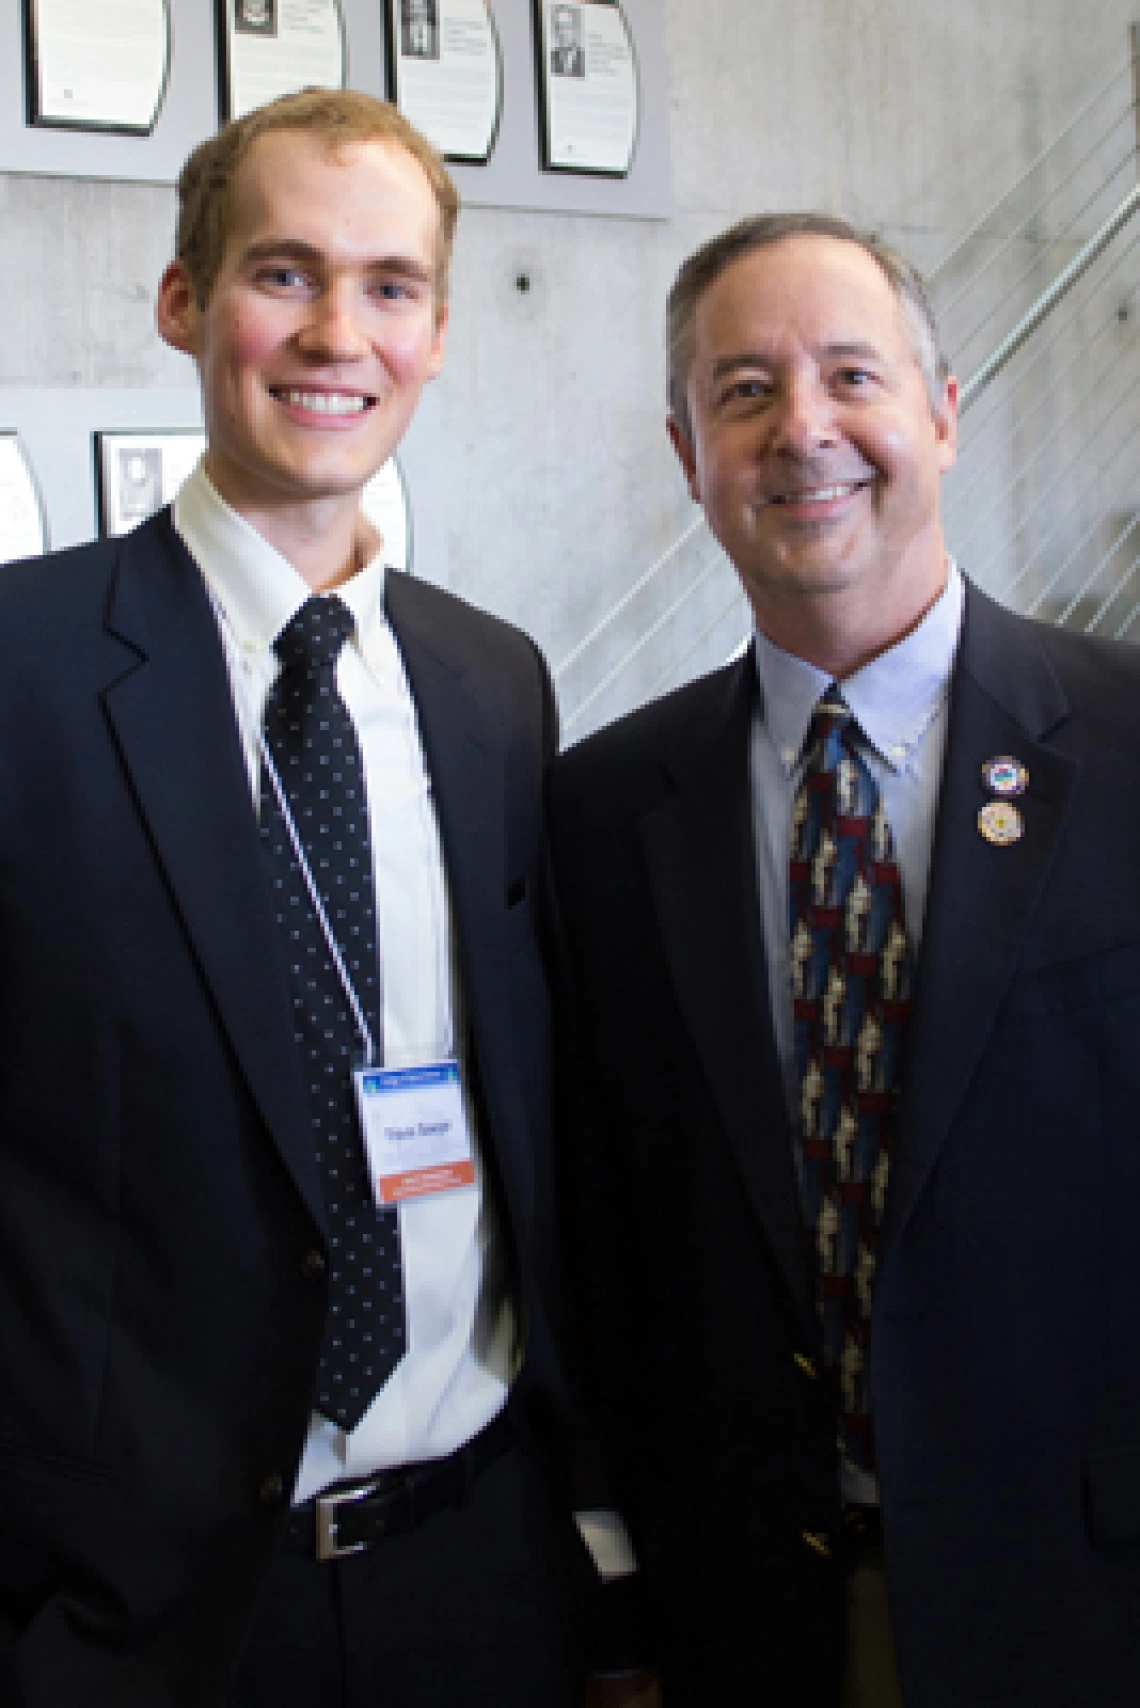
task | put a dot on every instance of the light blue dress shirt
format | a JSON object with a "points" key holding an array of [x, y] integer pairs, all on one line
{"points": [[900, 702]]}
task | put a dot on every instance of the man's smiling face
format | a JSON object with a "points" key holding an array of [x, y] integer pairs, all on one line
{"points": [[815, 450], [322, 325]]}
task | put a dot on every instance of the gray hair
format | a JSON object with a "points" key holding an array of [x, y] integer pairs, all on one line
{"points": [[705, 266]]}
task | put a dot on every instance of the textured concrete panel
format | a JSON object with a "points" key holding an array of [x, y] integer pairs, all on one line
{"points": [[556, 483]]}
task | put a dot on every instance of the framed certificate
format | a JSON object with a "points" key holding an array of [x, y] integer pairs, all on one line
{"points": [[97, 64], [273, 47], [385, 503], [588, 87], [23, 529], [446, 73], [137, 473]]}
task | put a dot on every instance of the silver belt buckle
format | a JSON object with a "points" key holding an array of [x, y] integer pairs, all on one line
{"points": [[328, 1548]]}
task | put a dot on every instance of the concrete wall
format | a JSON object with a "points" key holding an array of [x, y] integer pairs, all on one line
{"points": [[557, 484]]}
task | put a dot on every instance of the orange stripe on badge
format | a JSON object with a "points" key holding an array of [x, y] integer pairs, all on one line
{"points": [[420, 1182]]}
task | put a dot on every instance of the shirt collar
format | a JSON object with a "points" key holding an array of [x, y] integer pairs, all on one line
{"points": [[894, 698], [258, 589]]}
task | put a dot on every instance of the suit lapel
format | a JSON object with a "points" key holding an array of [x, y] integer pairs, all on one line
{"points": [[173, 720], [699, 846], [465, 736], [1005, 699]]}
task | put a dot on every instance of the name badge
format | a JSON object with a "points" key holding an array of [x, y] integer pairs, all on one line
{"points": [[415, 1128]]}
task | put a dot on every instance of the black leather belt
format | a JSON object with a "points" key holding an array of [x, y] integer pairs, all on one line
{"points": [[347, 1517]]}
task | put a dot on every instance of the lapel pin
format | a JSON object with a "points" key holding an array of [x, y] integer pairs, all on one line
{"points": [[1000, 823], [1005, 776]]}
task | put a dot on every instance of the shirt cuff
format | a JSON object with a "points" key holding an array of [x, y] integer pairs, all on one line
{"points": [[608, 1541]]}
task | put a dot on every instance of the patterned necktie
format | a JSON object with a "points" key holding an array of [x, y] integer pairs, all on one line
{"points": [[313, 744], [851, 974]]}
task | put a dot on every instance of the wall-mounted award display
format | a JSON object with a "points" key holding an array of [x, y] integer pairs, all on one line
{"points": [[272, 47], [482, 78], [385, 503], [97, 64], [446, 72], [23, 531], [588, 87], [138, 473]]}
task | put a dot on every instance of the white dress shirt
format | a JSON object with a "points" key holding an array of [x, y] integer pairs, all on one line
{"points": [[460, 1353]]}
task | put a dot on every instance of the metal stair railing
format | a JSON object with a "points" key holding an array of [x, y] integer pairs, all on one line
{"points": [[1031, 503]]}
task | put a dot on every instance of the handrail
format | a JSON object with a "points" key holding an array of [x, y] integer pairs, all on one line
{"points": [[1090, 581], [983, 221], [1042, 351], [644, 639], [1135, 611], [1047, 301], [946, 309], [1125, 165], [1100, 387], [969, 393], [629, 595]]}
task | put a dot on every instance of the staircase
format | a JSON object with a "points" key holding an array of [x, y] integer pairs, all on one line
{"points": [[1038, 305]]}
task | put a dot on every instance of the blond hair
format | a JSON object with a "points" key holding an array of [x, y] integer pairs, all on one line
{"points": [[334, 117]]}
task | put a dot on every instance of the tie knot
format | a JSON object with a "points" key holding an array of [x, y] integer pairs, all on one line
{"points": [[832, 717], [313, 637], [831, 704]]}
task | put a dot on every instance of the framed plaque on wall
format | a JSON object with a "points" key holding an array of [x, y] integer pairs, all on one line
{"points": [[589, 95], [97, 64], [23, 528], [273, 47], [446, 73], [137, 473]]}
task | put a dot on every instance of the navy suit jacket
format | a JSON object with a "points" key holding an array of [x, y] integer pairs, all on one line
{"points": [[159, 1323], [1006, 1332]]}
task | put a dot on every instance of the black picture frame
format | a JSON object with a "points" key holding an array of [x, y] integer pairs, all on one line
{"points": [[36, 112], [395, 26], [547, 77]]}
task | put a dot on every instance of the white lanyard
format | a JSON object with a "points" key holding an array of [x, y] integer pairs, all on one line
{"points": [[335, 956]]}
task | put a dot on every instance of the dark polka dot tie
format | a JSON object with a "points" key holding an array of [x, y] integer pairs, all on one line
{"points": [[851, 976], [314, 747]]}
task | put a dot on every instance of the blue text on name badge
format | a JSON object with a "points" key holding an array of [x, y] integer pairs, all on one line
{"points": [[377, 1081]]}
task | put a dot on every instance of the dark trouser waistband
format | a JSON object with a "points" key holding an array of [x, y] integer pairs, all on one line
{"points": [[347, 1517]]}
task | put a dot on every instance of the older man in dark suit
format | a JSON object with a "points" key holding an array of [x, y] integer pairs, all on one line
{"points": [[279, 1418], [419, 29], [853, 937], [567, 57]]}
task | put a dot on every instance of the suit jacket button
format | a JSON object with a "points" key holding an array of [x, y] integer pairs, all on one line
{"points": [[272, 1490], [313, 1264]]}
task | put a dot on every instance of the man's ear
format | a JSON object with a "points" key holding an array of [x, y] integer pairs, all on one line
{"points": [[176, 312], [439, 346], [683, 446], [946, 425]]}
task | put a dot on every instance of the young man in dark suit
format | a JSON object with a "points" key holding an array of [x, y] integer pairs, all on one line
{"points": [[280, 1415], [853, 936]]}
